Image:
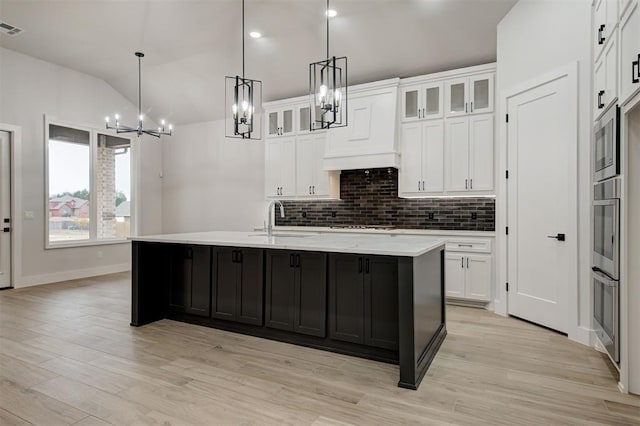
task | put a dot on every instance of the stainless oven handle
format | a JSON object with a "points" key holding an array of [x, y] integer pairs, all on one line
{"points": [[603, 277]]}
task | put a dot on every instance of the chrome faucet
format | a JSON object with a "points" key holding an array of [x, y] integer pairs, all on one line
{"points": [[269, 222]]}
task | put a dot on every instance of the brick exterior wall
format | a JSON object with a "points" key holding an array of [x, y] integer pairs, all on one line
{"points": [[106, 192], [370, 198]]}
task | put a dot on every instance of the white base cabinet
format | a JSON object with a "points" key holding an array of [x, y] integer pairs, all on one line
{"points": [[469, 270]]}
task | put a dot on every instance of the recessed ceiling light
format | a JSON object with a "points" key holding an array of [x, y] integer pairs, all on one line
{"points": [[331, 13], [255, 34]]}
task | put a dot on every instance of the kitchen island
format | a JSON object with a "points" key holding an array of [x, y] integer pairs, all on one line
{"points": [[375, 296]]}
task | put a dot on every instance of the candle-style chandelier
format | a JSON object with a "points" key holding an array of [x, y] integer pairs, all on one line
{"points": [[140, 130], [328, 90]]}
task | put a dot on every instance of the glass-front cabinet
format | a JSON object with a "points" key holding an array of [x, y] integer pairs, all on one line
{"points": [[469, 95], [280, 122], [305, 122], [422, 102]]}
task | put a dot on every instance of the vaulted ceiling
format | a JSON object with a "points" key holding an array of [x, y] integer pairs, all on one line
{"points": [[190, 45]]}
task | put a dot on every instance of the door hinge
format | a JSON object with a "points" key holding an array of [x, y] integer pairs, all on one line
{"points": [[507, 117], [507, 230], [507, 286], [507, 174]]}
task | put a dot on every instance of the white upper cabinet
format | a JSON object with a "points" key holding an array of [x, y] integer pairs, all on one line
{"points": [[422, 101], [312, 181], [469, 154], [469, 95], [605, 20], [422, 158], [280, 122], [305, 122], [630, 52], [280, 167]]}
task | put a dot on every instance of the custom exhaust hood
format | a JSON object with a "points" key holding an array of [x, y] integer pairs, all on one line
{"points": [[370, 139]]}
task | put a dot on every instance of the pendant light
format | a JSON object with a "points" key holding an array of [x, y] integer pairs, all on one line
{"points": [[328, 89], [140, 130], [243, 103]]}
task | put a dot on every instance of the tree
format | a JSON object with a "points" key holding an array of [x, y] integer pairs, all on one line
{"points": [[120, 198], [83, 194]]}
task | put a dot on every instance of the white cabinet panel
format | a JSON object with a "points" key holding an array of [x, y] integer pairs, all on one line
{"points": [[456, 154], [288, 167], [630, 52], [599, 83], [411, 103], [411, 158], [457, 97], [610, 57], [305, 165], [280, 167], [454, 273], [478, 277], [433, 100], [433, 156], [422, 102], [280, 122], [272, 168], [481, 93], [322, 179], [481, 152]]}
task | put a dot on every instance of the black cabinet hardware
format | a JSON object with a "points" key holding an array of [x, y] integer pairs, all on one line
{"points": [[470, 183], [297, 260], [6, 229], [467, 263], [600, 104], [465, 107], [466, 184], [471, 106], [462, 262], [559, 237], [7, 220], [600, 36], [366, 266], [423, 185], [635, 76], [189, 253], [418, 112], [313, 189], [418, 185], [359, 265], [291, 261]]}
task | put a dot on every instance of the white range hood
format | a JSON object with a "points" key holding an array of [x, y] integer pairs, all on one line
{"points": [[370, 138]]}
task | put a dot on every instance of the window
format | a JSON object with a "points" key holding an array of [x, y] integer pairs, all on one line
{"points": [[89, 187]]}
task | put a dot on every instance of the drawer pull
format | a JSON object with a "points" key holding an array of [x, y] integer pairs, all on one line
{"points": [[635, 77], [465, 245]]}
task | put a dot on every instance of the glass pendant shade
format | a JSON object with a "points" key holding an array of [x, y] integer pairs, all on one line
{"points": [[328, 93], [243, 114]]}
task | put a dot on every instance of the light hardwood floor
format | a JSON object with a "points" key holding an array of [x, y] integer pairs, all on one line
{"points": [[69, 356]]}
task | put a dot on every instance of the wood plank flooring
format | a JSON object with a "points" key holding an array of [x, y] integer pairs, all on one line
{"points": [[68, 356]]}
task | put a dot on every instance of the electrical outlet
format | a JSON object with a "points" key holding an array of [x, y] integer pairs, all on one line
{"points": [[334, 214], [430, 215], [304, 214], [474, 215]]}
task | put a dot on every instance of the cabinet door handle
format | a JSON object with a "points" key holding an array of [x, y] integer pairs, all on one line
{"points": [[465, 245], [424, 113], [418, 112], [418, 185], [297, 260], [234, 257], [470, 183], [466, 184], [366, 266], [465, 107], [600, 104], [462, 262], [423, 185], [291, 261], [635, 77], [309, 189], [359, 265], [189, 253], [467, 263], [471, 106], [601, 38]]}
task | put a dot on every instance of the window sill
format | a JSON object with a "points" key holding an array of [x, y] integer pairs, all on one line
{"points": [[74, 244]]}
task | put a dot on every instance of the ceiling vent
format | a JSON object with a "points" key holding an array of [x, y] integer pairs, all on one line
{"points": [[9, 29]]}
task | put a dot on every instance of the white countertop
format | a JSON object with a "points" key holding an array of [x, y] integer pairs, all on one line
{"points": [[389, 245]]}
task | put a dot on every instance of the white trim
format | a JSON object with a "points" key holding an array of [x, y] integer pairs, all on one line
{"points": [[16, 200], [87, 243], [575, 332], [75, 274], [445, 75]]}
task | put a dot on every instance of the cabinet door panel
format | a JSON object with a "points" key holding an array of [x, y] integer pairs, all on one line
{"points": [[411, 103], [433, 156], [310, 305], [199, 302], [481, 152], [273, 125], [346, 298], [180, 277], [249, 290], [304, 119], [599, 22], [223, 297], [272, 167], [381, 302], [305, 165], [411, 158], [288, 166], [279, 290], [321, 176], [433, 100], [481, 93], [287, 123], [456, 97], [599, 84], [454, 268], [457, 154], [478, 283], [630, 51], [610, 57]]}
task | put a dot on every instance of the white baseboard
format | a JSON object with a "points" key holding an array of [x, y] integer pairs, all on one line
{"points": [[75, 274], [499, 308], [581, 335]]}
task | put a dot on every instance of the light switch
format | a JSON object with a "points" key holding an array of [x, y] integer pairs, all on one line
{"points": [[28, 214]]}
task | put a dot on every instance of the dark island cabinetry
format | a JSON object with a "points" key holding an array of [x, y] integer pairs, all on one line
{"points": [[237, 285], [190, 284], [296, 288], [363, 300]]}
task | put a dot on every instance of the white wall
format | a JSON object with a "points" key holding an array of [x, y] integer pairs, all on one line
{"points": [[535, 37], [211, 182], [30, 88]]}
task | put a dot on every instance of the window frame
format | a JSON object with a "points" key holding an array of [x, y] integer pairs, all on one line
{"points": [[93, 161]]}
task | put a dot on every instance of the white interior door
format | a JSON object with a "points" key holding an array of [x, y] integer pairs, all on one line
{"points": [[5, 210], [542, 201]]}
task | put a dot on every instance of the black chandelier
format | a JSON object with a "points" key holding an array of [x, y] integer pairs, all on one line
{"points": [[119, 128], [328, 90], [243, 99]]}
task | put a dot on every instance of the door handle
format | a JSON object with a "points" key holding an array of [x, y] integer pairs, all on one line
{"points": [[635, 77], [600, 104], [559, 237], [601, 38]]}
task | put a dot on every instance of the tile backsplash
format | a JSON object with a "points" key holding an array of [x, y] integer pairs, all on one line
{"points": [[370, 198]]}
